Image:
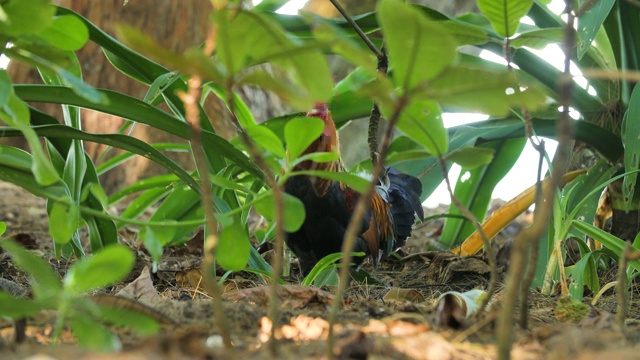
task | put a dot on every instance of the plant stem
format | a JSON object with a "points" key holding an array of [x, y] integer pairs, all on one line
{"points": [[190, 100], [357, 29], [269, 176], [356, 221], [542, 214]]}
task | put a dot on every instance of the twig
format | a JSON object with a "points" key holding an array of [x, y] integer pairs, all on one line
{"points": [[533, 247], [542, 214], [493, 267], [621, 288], [357, 29], [190, 101], [374, 118], [269, 176], [356, 221]]}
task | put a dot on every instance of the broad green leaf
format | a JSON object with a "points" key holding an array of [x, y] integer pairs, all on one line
{"points": [[612, 242], [108, 266], [421, 121], [138, 322], [631, 142], [133, 109], [19, 308], [293, 210], [234, 247], [299, 133], [154, 238], [538, 39], [64, 219], [44, 282], [20, 17], [264, 137], [93, 335], [590, 22], [343, 45], [505, 15], [3, 227], [419, 49], [247, 38], [478, 90], [318, 157], [585, 272], [327, 262], [16, 114], [55, 67], [15, 158], [356, 182], [465, 33], [280, 86], [66, 32], [6, 88], [471, 157], [475, 186], [191, 62]]}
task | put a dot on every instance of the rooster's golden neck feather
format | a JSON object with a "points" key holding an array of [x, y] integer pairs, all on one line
{"points": [[327, 142]]}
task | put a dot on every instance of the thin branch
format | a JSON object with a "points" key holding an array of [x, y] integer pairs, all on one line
{"points": [[493, 267], [357, 29], [269, 177], [190, 101], [351, 232], [621, 288], [374, 118], [533, 247], [542, 213]]}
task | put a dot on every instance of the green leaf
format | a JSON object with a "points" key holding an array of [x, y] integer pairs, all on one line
{"points": [[343, 45], [22, 17], [264, 137], [108, 266], [44, 282], [3, 227], [585, 272], [421, 121], [475, 187], [247, 38], [299, 133], [538, 39], [16, 114], [6, 88], [505, 15], [492, 92], [19, 308], [234, 247], [631, 142], [419, 49], [356, 182], [471, 157], [318, 157], [66, 32], [611, 242], [294, 212], [590, 22], [327, 262], [154, 238], [93, 335], [140, 323], [64, 219]]}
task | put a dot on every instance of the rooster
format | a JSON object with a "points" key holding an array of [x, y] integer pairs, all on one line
{"points": [[330, 204]]}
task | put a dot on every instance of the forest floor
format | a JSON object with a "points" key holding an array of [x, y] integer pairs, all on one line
{"points": [[376, 322]]}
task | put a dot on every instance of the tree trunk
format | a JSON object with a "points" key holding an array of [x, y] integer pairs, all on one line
{"points": [[176, 25]]}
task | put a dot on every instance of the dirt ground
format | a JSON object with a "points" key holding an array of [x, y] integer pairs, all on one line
{"points": [[398, 320]]}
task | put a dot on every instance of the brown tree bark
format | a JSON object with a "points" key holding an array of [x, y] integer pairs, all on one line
{"points": [[177, 25]]}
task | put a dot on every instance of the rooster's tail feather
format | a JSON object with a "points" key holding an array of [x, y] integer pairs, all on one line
{"points": [[404, 199]]}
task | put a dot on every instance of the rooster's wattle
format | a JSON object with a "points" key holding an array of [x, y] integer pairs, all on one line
{"points": [[329, 206]]}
